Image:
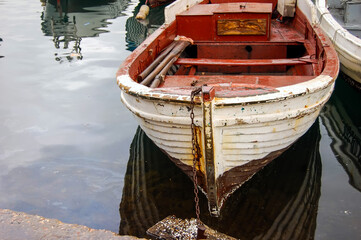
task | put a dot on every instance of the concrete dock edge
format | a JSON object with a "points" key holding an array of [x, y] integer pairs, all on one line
{"points": [[18, 225]]}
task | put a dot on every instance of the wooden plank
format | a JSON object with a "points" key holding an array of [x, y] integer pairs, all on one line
{"points": [[199, 80], [232, 51], [244, 7], [264, 43], [241, 62]]}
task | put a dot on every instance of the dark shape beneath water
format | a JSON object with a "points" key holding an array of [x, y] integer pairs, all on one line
{"points": [[343, 123], [279, 202]]}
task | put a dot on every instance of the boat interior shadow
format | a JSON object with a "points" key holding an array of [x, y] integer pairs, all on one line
{"points": [[279, 202]]}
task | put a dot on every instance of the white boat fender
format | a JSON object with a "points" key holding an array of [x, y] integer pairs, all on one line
{"points": [[143, 12]]}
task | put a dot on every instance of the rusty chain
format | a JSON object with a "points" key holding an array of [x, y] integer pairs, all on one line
{"points": [[195, 150]]}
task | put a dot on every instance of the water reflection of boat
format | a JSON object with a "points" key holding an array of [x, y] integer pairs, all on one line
{"points": [[138, 31], [279, 202], [68, 21], [342, 121]]}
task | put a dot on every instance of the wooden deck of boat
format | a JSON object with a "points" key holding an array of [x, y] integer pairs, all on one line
{"points": [[285, 32], [273, 65], [281, 33], [273, 81]]}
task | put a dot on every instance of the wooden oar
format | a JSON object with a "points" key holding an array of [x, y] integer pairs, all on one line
{"points": [[179, 48], [160, 77], [163, 54]]}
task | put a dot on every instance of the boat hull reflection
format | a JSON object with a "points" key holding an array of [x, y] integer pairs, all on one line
{"points": [[279, 202], [137, 31], [342, 121]]}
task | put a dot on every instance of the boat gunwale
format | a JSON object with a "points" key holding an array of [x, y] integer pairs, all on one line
{"points": [[250, 119]]}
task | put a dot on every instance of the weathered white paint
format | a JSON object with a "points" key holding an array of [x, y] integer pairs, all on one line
{"points": [[308, 9], [347, 45], [315, 84], [177, 7], [242, 133]]}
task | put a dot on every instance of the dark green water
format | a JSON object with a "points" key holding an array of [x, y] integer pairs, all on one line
{"points": [[70, 150]]}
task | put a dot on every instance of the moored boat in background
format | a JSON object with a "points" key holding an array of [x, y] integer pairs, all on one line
{"points": [[341, 21], [262, 81]]}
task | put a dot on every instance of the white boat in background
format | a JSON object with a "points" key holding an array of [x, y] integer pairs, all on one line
{"points": [[341, 21]]}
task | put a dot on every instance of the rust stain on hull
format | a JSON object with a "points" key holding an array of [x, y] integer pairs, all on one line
{"points": [[231, 180]]}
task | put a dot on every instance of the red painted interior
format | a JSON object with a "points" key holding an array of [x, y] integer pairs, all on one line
{"points": [[292, 52], [200, 21]]}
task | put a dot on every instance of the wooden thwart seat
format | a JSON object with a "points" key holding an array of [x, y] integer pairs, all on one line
{"points": [[199, 80], [243, 62]]}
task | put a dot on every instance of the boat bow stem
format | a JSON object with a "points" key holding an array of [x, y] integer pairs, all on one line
{"points": [[208, 94], [207, 145]]}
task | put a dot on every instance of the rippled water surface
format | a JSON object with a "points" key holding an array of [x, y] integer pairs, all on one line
{"points": [[70, 150]]}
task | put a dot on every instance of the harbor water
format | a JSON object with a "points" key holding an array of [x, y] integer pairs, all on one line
{"points": [[70, 150]]}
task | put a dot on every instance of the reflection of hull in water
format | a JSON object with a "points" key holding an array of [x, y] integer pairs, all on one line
{"points": [[279, 202], [346, 137]]}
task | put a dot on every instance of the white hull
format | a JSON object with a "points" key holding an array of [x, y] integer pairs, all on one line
{"points": [[241, 133], [248, 132], [347, 45]]}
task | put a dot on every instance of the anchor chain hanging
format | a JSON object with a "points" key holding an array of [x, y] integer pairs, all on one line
{"points": [[195, 151]]}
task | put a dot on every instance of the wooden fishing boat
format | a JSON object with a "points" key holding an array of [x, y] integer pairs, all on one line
{"points": [[341, 21], [262, 84]]}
